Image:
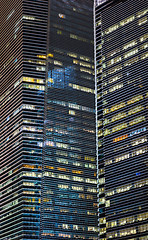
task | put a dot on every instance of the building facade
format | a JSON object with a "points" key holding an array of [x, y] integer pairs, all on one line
{"points": [[23, 61], [121, 100], [47, 54], [69, 202]]}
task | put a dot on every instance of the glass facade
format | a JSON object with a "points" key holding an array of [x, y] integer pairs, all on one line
{"points": [[121, 86], [69, 190]]}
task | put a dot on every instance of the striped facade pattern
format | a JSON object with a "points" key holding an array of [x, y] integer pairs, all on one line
{"points": [[69, 192], [23, 62], [121, 86]]}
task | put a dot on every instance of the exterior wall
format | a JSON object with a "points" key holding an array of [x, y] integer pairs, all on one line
{"points": [[23, 76], [121, 67], [69, 203]]}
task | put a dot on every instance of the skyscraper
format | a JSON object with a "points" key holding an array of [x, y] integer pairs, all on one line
{"points": [[47, 40], [121, 97], [69, 202], [23, 45]]}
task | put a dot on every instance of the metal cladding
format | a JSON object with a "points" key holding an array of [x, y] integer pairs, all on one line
{"points": [[121, 86]]}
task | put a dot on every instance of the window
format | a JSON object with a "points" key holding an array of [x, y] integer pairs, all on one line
{"points": [[126, 220], [130, 44], [116, 87], [142, 21], [127, 20], [131, 61], [113, 79], [142, 216], [102, 220], [113, 52], [102, 231], [106, 121], [36, 87], [144, 46], [115, 69], [112, 28], [118, 116], [108, 162], [110, 193], [139, 151], [127, 231], [135, 110], [144, 55], [135, 99], [137, 120], [111, 224], [119, 127], [93, 190], [139, 140], [114, 60], [111, 235], [131, 52], [107, 132], [143, 228], [142, 13], [101, 181], [124, 188], [117, 106], [122, 157], [144, 37]]}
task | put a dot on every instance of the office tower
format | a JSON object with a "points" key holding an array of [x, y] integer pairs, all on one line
{"points": [[60, 33], [23, 55], [121, 85], [69, 199]]}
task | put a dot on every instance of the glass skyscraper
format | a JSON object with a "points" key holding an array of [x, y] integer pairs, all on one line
{"points": [[121, 99], [47, 82], [69, 202]]}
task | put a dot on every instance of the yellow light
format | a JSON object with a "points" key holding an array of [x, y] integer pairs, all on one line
{"points": [[50, 55]]}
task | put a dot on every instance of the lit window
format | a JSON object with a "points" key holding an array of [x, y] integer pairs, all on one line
{"points": [[131, 61], [116, 87], [131, 52], [111, 235], [126, 220], [143, 228], [142, 13], [127, 20], [144, 46], [139, 151], [61, 15], [144, 55], [111, 224], [114, 60], [144, 37], [119, 127], [122, 157], [137, 120], [139, 140], [113, 52], [112, 28], [142, 21], [135, 110], [115, 69], [127, 231], [130, 44]]}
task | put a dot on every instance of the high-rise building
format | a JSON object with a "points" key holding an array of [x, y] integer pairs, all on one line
{"points": [[69, 202], [23, 55], [59, 33], [121, 97]]}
